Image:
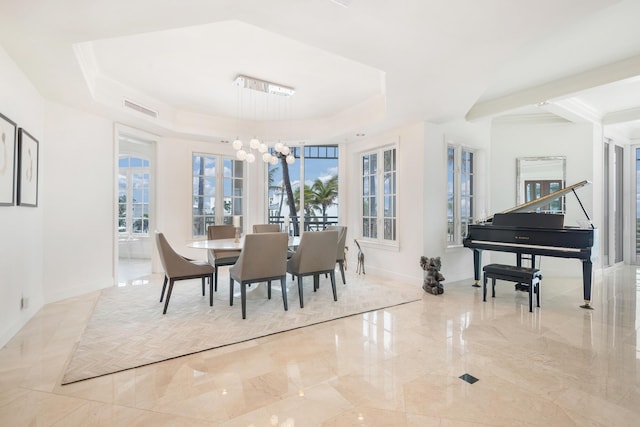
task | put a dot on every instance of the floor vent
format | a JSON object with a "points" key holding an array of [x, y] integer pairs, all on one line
{"points": [[468, 378], [141, 109]]}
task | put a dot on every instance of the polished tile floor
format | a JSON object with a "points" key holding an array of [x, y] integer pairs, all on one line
{"points": [[558, 366]]}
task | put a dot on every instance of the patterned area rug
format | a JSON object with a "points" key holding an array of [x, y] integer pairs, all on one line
{"points": [[127, 328]]}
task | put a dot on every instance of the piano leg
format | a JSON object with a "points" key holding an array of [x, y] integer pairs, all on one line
{"points": [[586, 284], [477, 264]]}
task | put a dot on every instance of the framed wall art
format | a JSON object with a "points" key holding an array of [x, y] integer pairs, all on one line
{"points": [[27, 169], [7, 160]]}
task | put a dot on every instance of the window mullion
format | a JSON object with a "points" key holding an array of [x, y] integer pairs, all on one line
{"points": [[456, 195], [129, 218], [219, 195]]}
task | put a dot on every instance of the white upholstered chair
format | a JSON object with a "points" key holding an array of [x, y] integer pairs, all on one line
{"points": [[315, 255], [218, 258], [263, 259], [342, 239], [266, 228], [176, 267]]}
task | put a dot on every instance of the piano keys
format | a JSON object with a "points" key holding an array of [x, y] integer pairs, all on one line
{"points": [[522, 231]]}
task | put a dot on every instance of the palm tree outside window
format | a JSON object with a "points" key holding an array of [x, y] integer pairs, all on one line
{"points": [[315, 193]]}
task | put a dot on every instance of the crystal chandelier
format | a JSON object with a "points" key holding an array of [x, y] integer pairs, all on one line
{"points": [[255, 146]]}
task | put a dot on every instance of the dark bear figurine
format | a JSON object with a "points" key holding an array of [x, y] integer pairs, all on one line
{"points": [[433, 278]]}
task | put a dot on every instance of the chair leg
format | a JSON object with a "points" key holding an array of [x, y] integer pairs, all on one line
{"points": [[316, 282], [333, 285], [484, 288], [166, 302], [164, 287], [210, 290], [283, 285], [300, 291], [269, 289], [341, 263], [203, 279], [243, 293], [215, 275], [230, 291]]}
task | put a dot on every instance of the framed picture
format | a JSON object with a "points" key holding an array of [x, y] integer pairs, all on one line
{"points": [[27, 169], [7, 160]]}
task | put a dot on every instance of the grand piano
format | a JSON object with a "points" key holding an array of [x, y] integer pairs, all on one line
{"points": [[523, 231]]}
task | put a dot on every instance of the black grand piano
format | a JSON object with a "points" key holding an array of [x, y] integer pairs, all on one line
{"points": [[524, 232]]}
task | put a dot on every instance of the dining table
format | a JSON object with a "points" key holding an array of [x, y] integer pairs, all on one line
{"points": [[238, 244], [232, 244]]}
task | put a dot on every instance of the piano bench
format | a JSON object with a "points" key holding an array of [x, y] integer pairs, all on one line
{"points": [[511, 273]]}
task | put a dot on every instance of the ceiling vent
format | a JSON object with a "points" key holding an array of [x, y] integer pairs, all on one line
{"points": [[141, 109]]}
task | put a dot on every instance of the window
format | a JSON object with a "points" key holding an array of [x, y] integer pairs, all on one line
{"points": [[534, 189], [317, 167], [379, 201], [459, 193], [216, 178], [133, 195]]}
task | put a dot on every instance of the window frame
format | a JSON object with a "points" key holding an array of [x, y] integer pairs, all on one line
{"points": [[220, 178], [458, 194], [303, 154], [380, 197], [130, 172]]}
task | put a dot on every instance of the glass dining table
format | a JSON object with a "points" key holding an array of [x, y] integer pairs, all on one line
{"points": [[232, 244]]}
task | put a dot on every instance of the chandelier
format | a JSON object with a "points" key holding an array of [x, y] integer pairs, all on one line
{"points": [[255, 146]]}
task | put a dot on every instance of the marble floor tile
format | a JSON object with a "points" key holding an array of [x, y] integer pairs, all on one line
{"points": [[558, 366]]}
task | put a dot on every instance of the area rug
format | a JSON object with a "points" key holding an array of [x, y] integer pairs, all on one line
{"points": [[127, 328]]}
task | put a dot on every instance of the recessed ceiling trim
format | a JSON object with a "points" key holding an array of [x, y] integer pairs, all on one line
{"points": [[556, 89], [623, 116]]}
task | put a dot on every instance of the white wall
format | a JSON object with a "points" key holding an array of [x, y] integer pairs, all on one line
{"points": [[21, 248], [401, 262], [577, 142], [62, 247], [457, 262], [78, 200]]}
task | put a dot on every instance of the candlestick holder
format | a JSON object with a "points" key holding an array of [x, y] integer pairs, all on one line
{"points": [[237, 240]]}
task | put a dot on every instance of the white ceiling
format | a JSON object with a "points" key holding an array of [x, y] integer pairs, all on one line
{"points": [[365, 68]]}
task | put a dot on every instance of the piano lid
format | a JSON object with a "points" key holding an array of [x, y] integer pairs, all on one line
{"points": [[532, 205]]}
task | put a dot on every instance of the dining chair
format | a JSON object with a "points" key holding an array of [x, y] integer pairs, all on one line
{"points": [[176, 267], [315, 256], [263, 259], [221, 257], [266, 228], [342, 239]]}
